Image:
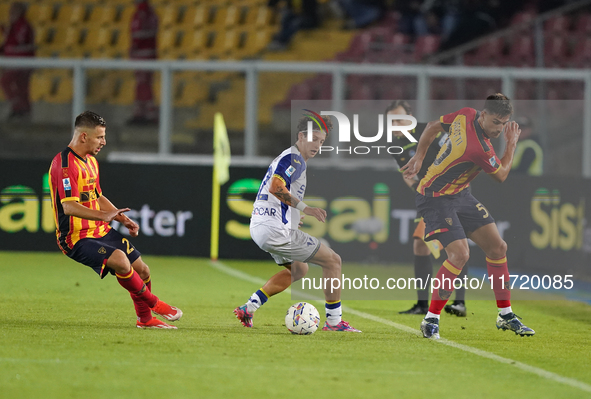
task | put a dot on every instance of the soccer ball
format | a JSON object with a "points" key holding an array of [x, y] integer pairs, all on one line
{"points": [[302, 319]]}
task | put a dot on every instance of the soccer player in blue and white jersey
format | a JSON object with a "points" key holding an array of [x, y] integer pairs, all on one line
{"points": [[274, 228]]}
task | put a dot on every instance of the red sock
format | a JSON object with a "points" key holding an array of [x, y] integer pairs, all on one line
{"points": [[446, 275], [143, 311], [497, 269], [133, 283]]}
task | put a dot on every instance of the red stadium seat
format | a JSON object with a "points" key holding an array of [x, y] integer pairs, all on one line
{"points": [[443, 89], [557, 25], [426, 45], [581, 57], [488, 54], [521, 53], [583, 25], [361, 92], [555, 51], [525, 90]]}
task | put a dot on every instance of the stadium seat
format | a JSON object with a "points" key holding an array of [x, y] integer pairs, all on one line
{"points": [[521, 53], [487, 54], [481, 88], [73, 14], [195, 17], [443, 89], [581, 57], [102, 16], [40, 85], [557, 25], [168, 15], [225, 17], [426, 45], [555, 51], [583, 25], [525, 89], [37, 13]]}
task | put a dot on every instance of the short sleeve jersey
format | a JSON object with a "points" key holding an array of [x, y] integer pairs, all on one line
{"points": [[409, 148], [73, 178], [466, 152], [290, 168]]}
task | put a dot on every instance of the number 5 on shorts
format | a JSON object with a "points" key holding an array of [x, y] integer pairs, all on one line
{"points": [[481, 207]]}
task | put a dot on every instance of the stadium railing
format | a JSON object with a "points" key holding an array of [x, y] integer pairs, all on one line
{"points": [[339, 72]]}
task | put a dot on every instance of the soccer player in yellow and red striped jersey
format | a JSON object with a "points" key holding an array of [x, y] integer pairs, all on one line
{"points": [[450, 211], [82, 215]]}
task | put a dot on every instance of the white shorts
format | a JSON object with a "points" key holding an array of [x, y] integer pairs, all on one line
{"points": [[285, 245]]}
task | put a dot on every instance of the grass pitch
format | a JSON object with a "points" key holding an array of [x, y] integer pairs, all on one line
{"points": [[64, 333]]}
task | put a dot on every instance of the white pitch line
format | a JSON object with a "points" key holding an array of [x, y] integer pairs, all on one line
{"points": [[488, 355]]}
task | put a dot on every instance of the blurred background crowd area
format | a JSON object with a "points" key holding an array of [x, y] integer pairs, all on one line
{"points": [[472, 33]]}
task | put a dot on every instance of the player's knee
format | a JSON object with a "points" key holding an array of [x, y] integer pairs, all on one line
{"points": [[119, 262], [499, 250], [459, 257], [141, 268]]}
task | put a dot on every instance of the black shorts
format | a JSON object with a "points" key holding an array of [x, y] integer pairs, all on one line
{"points": [[451, 217], [94, 252]]}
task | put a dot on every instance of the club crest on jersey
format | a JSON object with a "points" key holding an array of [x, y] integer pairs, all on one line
{"points": [[290, 171], [493, 162], [67, 185], [449, 221]]}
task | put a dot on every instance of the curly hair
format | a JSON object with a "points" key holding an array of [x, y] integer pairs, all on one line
{"points": [[303, 123]]}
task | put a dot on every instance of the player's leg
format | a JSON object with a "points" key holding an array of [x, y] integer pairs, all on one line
{"points": [[423, 268], [161, 308], [279, 282], [129, 278], [489, 240], [458, 307], [331, 263]]}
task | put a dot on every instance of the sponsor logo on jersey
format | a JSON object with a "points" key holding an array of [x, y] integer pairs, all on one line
{"points": [[264, 211], [493, 162]]}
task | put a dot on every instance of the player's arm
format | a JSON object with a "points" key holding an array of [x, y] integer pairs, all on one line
{"points": [[413, 166], [512, 133], [74, 208], [279, 190], [132, 226]]}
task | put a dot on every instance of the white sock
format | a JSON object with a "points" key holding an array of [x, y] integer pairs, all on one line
{"points": [[432, 315], [505, 311], [253, 303], [333, 315]]}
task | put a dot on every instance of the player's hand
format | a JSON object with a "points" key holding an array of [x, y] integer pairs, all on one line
{"points": [[133, 227], [412, 167], [512, 132], [301, 221], [110, 215], [318, 213]]}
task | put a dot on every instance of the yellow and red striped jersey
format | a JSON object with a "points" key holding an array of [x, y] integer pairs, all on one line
{"points": [[466, 152], [73, 178]]}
